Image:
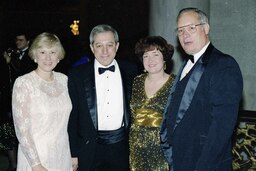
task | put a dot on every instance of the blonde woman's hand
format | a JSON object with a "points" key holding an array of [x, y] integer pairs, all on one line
{"points": [[39, 168], [75, 163]]}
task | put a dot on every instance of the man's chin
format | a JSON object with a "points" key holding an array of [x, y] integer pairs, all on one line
{"points": [[105, 63]]}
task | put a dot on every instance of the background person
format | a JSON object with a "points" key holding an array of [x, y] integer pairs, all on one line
{"points": [[14, 62], [41, 108], [18, 58], [8, 140]]}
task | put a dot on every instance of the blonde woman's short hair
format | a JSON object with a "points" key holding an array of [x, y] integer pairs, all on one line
{"points": [[48, 40]]}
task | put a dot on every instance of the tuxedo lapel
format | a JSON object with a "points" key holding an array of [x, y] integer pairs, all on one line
{"points": [[90, 94], [125, 104], [192, 85], [189, 91], [177, 78], [172, 90]]}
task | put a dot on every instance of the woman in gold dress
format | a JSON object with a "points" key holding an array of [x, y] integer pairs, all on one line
{"points": [[149, 97]]}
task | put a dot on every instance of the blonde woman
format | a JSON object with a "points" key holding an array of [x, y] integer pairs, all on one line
{"points": [[41, 108]]}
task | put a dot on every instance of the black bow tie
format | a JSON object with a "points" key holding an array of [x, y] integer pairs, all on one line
{"points": [[102, 70], [191, 57]]}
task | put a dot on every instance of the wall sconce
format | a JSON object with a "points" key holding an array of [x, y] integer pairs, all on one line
{"points": [[75, 27]]}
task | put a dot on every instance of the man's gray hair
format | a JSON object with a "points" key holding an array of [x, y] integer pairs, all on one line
{"points": [[101, 29], [202, 17]]}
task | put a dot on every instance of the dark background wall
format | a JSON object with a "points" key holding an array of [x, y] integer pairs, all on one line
{"points": [[232, 27], [129, 18], [232, 30]]}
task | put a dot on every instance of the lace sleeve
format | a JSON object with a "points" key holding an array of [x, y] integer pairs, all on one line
{"points": [[21, 100]]}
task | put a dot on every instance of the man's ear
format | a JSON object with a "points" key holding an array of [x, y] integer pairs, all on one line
{"points": [[117, 46], [206, 28], [91, 46]]}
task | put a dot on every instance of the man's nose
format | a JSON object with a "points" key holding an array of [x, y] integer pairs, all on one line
{"points": [[105, 49], [186, 32]]}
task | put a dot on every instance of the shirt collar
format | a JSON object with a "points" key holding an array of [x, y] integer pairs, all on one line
{"points": [[24, 49], [199, 54]]}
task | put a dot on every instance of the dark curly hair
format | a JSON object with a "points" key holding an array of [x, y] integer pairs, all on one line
{"points": [[154, 42]]}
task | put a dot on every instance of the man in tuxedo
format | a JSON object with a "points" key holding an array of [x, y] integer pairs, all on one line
{"points": [[203, 104], [18, 58], [26, 64], [100, 93]]}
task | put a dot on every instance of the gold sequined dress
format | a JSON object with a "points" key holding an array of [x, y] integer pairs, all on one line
{"points": [[145, 151]]}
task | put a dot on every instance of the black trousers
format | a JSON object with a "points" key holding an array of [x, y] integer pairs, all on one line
{"points": [[112, 157]]}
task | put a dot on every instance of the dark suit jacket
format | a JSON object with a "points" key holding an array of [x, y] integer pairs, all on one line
{"points": [[9, 73], [22, 66], [27, 64], [198, 136], [82, 125], [5, 92]]}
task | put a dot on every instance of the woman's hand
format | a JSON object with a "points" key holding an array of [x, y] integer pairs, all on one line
{"points": [[39, 168], [75, 163]]}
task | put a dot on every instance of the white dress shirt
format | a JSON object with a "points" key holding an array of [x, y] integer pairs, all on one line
{"points": [[190, 64], [22, 53], [109, 91]]}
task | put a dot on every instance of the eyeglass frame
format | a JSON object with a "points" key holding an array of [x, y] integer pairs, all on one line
{"points": [[185, 28]]}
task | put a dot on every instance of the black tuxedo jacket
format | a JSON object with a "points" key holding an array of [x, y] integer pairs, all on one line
{"points": [[82, 127], [27, 64], [198, 136], [24, 65]]}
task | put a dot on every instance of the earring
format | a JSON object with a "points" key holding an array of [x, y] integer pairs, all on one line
{"points": [[164, 65], [145, 70], [35, 60]]}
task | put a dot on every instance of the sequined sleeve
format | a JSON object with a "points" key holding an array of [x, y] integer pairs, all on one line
{"points": [[22, 119]]}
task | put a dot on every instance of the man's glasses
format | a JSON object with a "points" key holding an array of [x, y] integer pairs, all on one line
{"points": [[189, 28]]}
